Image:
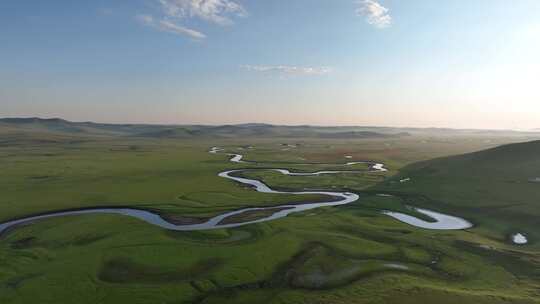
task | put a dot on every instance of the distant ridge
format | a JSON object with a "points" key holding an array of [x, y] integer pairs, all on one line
{"points": [[65, 127], [62, 127]]}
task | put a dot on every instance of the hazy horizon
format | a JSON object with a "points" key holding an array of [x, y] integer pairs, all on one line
{"points": [[264, 123], [453, 64]]}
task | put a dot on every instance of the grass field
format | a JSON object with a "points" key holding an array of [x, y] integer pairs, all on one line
{"points": [[345, 254], [490, 187]]}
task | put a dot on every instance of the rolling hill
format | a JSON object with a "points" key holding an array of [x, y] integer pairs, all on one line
{"points": [[494, 187], [59, 127], [44, 128]]}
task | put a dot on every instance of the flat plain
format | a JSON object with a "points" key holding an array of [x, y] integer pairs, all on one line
{"points": [[343, 254]]}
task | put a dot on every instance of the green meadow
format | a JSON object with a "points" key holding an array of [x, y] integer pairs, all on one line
{"points": [[342, 254]]}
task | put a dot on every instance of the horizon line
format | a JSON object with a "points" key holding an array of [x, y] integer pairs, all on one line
{"points": [[533, 130]]}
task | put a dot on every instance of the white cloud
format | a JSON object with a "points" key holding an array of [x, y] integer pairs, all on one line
{"points": [[289, 70], [217, 11], [376, 14], [173, 14], [168, 26]]}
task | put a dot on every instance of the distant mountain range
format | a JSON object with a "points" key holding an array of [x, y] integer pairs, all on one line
{"points": [[68, 128], [57, 127]]}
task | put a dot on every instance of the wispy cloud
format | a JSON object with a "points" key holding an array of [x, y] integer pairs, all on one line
{"points": [[170, 27], [288, 70], [174, 13], [217, 11], [376, 14], [145, 19]]}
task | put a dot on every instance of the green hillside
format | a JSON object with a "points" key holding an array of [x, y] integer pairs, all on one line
{"points": [[495, 188]]}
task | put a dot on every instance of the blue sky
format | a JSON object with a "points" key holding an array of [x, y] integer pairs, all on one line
{"points": [[459, 63]]}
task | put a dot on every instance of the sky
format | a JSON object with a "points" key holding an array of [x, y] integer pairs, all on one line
{"points": [[416, 63]]}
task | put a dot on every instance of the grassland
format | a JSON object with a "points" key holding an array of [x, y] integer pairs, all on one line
{"points": [[490, 187], [345, 254]]}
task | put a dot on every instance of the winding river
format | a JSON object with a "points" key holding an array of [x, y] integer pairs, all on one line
{"points": [[441, 221]]}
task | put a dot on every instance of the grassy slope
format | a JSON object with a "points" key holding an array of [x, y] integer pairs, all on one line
{"points": [[490, 187]]}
